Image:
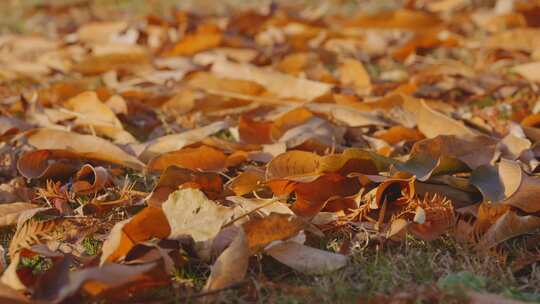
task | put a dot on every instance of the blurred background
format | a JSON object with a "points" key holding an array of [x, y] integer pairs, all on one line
{"points": [[26, 16]]}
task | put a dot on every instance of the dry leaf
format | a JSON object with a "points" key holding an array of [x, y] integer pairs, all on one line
{"points": [[190, 213], [432, 123], [353, 74], [273, 81], [149, 223], [306, 259], [87, 145], [277, 226], [202, 158], [231, 266], [9, 213], [508, 226], [175, 142]]}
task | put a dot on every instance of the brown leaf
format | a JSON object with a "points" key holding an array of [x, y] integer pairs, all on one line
{"points": [[94, 280], [246, 182], [149, 223], [254, 132], [126, 60], [311, 197], [404, 19], [175, 177], [508, 226], [49, 164], [90, 179], [397, 134], [262, 231], [291, 164], [520, 189]]}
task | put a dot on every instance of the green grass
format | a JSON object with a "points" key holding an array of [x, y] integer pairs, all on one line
{"points": [[444, 265], [91, 245]]}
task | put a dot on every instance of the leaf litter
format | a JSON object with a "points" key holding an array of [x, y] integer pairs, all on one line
{"points": [[259, 145]]}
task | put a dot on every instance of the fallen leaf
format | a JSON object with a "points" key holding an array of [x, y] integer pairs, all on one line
{"points": [[97, 115], [231, 266], [277, 226], [202, 158], [432, 123], [90, 179], [520, 189], [353, 74], [306, 259], [206, 37], [291, 164], [190, 213], [247, 182], [273, 81], [174, 177], [87, 145], [149, 223], [173, 142], [9, 213], [508, 226]]}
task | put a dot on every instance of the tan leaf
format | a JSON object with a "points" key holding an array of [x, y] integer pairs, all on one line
{"points": [[432, 123], [273, 81], [175, 142], [529, 71], [353, 73], [30, 233], [191, 213], [10, 295], [87, 145], [520, 189], [306, 259], [231, 266], [9, 213], [96, 114]]}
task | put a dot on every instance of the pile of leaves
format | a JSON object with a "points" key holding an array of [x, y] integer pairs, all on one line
{"points": [[132, 150]]}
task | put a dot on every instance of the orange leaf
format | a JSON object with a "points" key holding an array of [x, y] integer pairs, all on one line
{"points": [[246, 182], [254, 132], [277, 226], [399, 133], [201, 158], [206, 37], [174, 177], [311, 197], [149, 223]]}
